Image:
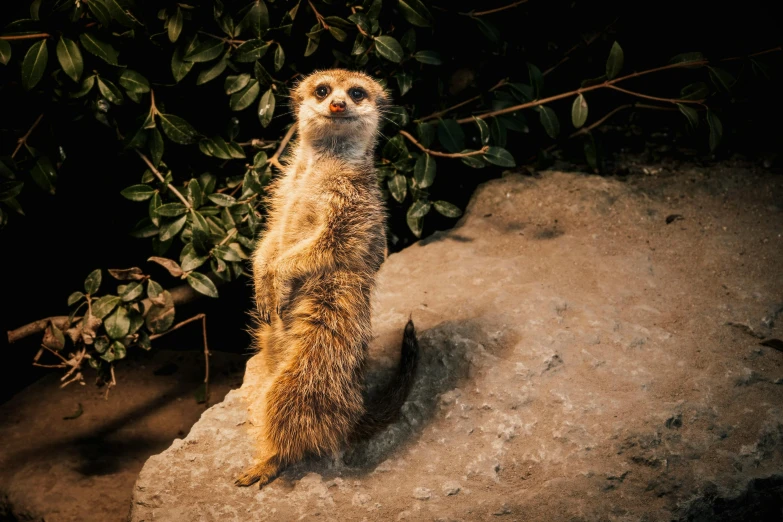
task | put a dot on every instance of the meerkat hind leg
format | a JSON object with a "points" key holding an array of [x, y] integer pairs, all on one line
{"points": [[262, 472]]}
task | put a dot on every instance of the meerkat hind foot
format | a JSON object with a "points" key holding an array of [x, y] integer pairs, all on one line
{"points": [[263, 473]]}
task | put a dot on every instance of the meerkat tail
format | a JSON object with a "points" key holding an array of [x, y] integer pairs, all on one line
{"points": [[386, 408]]}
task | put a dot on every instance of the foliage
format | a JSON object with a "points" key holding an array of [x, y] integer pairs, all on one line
{"points": [[185, 86]]}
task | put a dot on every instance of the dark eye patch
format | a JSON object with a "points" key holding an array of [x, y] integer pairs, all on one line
{"points": [[357, 93], [322, 91]]}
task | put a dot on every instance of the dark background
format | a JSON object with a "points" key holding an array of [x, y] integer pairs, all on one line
{"points": [[47, 254]]}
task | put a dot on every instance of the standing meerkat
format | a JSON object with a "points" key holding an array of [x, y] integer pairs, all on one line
{"points": [[314, 272]]}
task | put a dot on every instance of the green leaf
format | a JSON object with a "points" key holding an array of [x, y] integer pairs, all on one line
{"points": [[5, 52], [500, 157], [266, 107], [416, 13], [179, 67], [202, 284], [404, 82], [191, 260], [75, 298], [488, 29], [424, 171], [175, 25], [70, 58], [549, 121], [86, 87], [244, 98], [419, 209], [222, 200], [134, 82], [10, 189], [256, 19], [716, 129], [279, 58], [34, 64], [110, 91], [99, 48], [44, 174], [177, 129], [206, 51], [161, 315], [155, 143], [194, 193], [93, 282], [450, 135], [690, 114], [172, 210], [614, 64], [212, 73], [427, 132], [104, 306], [234, 84], [389, 48], [591, 152], [721, 78], [483, 130], [225, 253], [153, 289], [398, 187], [428, 57], [251, 51], [138, 192], [171, 229], [536, 80], [447, 209], [118, 12], [695, 91], [100, 13], [338, 33], [579, 111], [415, 224], [118, 323], [133, 290]]}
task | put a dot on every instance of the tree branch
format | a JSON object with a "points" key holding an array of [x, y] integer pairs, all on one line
{"points": [[438, 114], [603, 85], [180, 295], [163, 180], [25, 36], [443, 154], [318, 15], [275, 159], [654, 98], [24, 138]]}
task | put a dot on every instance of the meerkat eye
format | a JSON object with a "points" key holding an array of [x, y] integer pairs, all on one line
{"points": [[321, 92], [357, 94]]}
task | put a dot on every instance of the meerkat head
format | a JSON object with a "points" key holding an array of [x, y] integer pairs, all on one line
{"points": [[339, 110]]}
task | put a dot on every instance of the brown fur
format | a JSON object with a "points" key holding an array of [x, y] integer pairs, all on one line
{"points": [[314, 272]]}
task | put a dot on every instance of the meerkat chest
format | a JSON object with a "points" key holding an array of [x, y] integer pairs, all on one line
{"points": [[302, 212]]}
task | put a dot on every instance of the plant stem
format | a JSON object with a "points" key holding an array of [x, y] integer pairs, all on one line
{"points": [[443, 154], [496, 10], [24, 138], [163, 180], [25, 36], [275, 159], [318, 15], [603, 85]]}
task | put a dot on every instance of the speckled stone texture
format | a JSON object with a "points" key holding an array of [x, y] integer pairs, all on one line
{"points": [[583, 358]]}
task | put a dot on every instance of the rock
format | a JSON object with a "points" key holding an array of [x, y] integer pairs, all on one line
{"points": [[576, 364]]}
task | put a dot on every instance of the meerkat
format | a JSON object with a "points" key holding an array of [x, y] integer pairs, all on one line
{"points": [[314, 271]]}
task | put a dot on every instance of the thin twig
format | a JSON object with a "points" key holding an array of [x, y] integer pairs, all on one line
{"points": [[275, 159], [25, 36], [111, 384], [603, 85], [203, 318], [24, 138], [654, 98], [443, 154], [438, 114], [585, 130], [163, 180], [318, 15], [586, 43], [496, 10], [759, 53]]}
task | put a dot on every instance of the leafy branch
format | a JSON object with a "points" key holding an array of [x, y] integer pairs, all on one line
{"points": [[431, 152]]}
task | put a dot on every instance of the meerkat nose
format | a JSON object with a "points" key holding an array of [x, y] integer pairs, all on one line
{"points": [[337, 106]]}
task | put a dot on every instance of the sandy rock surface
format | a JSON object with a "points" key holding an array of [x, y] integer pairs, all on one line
{"points": [[591, 350]]}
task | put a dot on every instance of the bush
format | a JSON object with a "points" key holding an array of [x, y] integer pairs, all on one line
{"points": [[186, 87]]}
